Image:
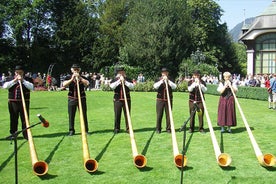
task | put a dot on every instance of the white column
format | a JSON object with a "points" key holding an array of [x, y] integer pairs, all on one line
{"points": [[250, 61]]}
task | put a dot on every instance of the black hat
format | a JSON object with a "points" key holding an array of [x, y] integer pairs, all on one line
{"points": [[75, 66], [19, 67], [196, 72], [164, 69]]}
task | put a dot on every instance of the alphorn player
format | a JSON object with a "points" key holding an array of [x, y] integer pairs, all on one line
{"points": [[118, 98], [71, 82], [226, 106], [15, 104], [162, 99], [194, 85]]}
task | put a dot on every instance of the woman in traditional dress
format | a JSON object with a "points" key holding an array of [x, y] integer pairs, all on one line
{"points": [[226, 106]]}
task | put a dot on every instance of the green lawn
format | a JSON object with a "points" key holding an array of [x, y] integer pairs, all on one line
{"points": [[113, 152]]}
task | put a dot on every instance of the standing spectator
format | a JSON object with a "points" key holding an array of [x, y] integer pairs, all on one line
{"points": [[269, 91], [71, 82], [3, 79], [194, 86], [49, 82], [252, 81], [226, 106], [97, 81], [140, 78], [15, 104], [119, 99], [273, 88], [162, 99]]}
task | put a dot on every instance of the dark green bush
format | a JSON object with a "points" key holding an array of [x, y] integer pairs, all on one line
{"points": [[256, 93], [182, 87]]}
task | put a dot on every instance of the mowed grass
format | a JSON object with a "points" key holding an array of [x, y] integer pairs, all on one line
{"points": [[113, 153]]}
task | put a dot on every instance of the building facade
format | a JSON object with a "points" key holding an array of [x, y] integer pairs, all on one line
{"points": [[260, 41]]}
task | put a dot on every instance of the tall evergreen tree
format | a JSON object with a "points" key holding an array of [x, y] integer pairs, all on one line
{"points": [[157, 35]]}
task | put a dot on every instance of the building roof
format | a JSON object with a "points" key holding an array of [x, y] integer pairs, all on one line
{"points": [[271, 10], [265, 22]]}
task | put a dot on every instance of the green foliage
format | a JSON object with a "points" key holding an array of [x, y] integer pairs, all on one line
{"points": [[256, 93], [145, 86], [156, 35], [145, 35], [182, 87]]}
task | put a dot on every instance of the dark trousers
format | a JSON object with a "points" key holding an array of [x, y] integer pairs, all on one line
{"points": [[160, 106], [200, 115], [118, 106], [16, 110], [72, 108]]}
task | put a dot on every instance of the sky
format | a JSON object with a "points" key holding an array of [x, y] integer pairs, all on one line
{"points": [[235, 11]]}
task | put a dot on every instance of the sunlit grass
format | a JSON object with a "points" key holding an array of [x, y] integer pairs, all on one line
{"points": [[113, 153]]}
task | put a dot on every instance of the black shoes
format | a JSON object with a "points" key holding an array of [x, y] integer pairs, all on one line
{"points": [[71, 133], [202, 131], [10, 137], [116, 131]]}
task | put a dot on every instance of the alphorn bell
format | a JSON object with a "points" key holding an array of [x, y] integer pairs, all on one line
{"points": [[40, 168], [90, 165], [264, 160], [223, 159], [177, 157], [139, 160]]}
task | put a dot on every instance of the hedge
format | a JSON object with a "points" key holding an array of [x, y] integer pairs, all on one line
{"points": [[256, 93]]}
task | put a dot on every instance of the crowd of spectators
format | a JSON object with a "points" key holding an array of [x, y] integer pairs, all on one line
{"points": [[54, 83]]}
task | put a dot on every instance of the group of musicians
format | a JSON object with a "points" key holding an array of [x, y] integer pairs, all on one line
{"points": [[164, 85]]}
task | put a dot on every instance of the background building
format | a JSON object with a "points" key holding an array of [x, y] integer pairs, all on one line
{"points": [[260, 40]]}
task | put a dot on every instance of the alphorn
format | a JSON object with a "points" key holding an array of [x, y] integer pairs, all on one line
{"points": [[177, 157], [139, 160], [223, 159], [90, 165], [264, 160], [40, 168]]}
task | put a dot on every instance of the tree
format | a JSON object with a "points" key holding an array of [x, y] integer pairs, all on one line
{"points": [[75, 31], [157, 35], [212, 36], [112, 15]]}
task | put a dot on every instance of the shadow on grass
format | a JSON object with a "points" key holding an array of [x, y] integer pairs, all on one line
{"points": [[144, 152], [96, 173], [49, 158], [186, 145], [145, 169], [47, 177], [37, 108], [272, 169], [58, 134], [221, 143], [186, 168], [235, 130], [228, 168], [100, 155], [5, 163]]}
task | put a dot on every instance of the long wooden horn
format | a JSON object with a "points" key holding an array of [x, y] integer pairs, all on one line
{"points": [[40, 168], [90, 165], [223, 159], [177, 157], [264, 160], [139, 160]]}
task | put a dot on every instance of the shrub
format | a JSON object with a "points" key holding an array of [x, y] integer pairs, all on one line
{"points": [[256, 93]]}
